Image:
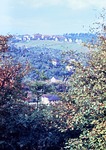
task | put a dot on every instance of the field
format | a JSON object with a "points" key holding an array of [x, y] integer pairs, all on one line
{"points": [[64, 46]]}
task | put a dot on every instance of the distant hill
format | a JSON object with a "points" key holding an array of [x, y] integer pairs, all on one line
{"points": [[64, 46]]}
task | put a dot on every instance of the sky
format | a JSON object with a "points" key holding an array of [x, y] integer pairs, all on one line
{"points": [[48, 16]]}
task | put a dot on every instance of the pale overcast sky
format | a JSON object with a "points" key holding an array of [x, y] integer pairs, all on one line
{"points": [[48, 16]]}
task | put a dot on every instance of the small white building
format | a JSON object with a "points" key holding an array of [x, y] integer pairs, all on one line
{"points": [[53, 80], [70, 40], [65, 40], [26, 37], [56, 39], [78, 41], [69, 68], [48, 99], [54, 62], [44, 100]]}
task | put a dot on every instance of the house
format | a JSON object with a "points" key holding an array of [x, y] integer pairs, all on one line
{"points": [[56, 39], [69, 67], [70, 40], [64, 39], [48, 99], [60, 38], [53, 80], [26, 37], [54, 62], [78, 41]]}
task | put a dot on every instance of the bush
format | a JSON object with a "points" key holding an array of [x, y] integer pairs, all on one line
{"points": [[88, 93]]}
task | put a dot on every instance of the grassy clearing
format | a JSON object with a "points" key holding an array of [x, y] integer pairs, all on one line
{"points": [[54, 45]]}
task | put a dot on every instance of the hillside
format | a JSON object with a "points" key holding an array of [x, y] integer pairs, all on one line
{"points": [[42, 54], [53, 44]]}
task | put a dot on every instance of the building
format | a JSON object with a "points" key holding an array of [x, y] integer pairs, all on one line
{"points": [[69, 68], [53, 80], [48, 99], [54, 62]]}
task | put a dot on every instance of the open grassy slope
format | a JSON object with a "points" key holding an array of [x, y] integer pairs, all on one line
{"points": [[54, 45]]}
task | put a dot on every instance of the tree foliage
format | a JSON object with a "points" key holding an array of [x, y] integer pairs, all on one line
{"points": [[23, 127], [88, 93]]}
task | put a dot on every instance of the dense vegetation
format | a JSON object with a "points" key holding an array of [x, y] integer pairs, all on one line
{"points": [[77, 122], [88, 93], [41, 57]]}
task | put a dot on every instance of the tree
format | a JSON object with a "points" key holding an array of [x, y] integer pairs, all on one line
{"points": [[3, 43], [88, 93], [22, 127], [11, 81]]}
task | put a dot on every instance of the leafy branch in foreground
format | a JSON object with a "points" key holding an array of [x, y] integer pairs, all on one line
{"points": [[88, 93]]}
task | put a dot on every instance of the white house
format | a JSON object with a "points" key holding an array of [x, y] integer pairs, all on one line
{"points": [[53, 80], [49, 99], [26, 37], [78, 41], [70, 40], [56, 39], [44, 100], [69, 68], [54, 62], [65, 40]]}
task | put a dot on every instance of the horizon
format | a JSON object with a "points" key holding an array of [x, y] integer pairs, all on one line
{"points": [[50, 34], [54, 17]]}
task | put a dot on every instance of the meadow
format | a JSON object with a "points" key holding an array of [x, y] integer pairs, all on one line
{"points": [[64, 46]]}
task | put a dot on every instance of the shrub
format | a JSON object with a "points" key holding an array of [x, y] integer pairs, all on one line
{"points": [[88, 93]]}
